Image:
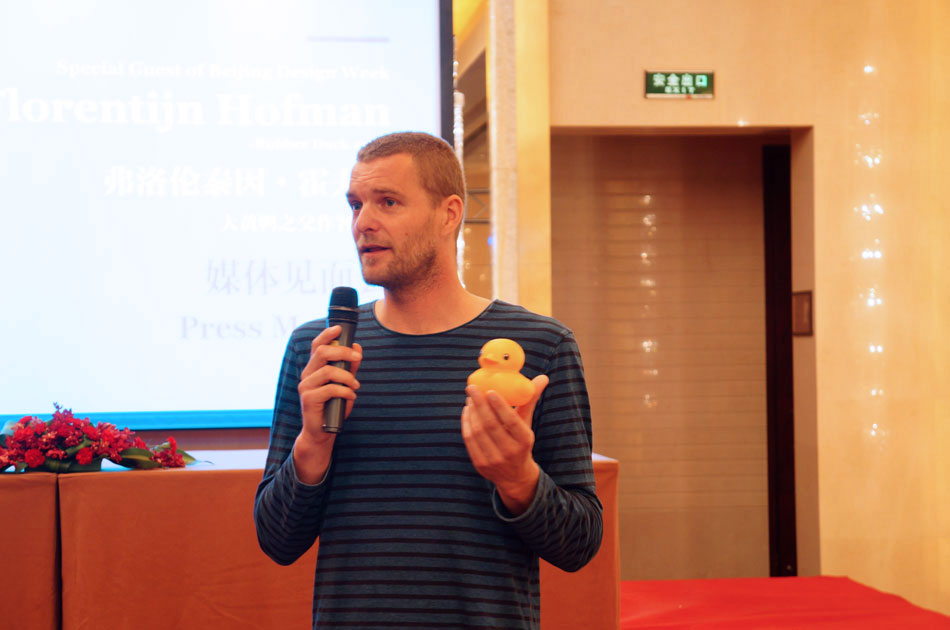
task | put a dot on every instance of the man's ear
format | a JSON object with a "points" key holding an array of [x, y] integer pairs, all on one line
{"points": [[453, 213]]}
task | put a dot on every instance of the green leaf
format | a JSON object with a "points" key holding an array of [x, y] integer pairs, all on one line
{"points": [[94, 466], [7, 431], [134, 457], [55, 465], [72, 450], [19, 467]]}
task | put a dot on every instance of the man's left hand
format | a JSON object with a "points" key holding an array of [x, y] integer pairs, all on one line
{"points": [[499, 440]]}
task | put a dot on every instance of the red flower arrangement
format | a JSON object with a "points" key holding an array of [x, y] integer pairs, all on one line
{"points": [[68, 444]]}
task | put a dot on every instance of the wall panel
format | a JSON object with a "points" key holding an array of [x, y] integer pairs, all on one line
{"points": [[658, 267]]}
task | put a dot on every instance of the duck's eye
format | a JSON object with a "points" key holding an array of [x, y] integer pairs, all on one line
{"points": [[506, 357]]}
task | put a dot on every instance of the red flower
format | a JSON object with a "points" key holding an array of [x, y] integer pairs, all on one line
{"points": [[23, 432], [63, 429], [34, 441], [34, 458], [169, 457], [84, 456]]}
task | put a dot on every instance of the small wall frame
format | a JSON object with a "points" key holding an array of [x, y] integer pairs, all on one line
{"points": [[802, 314]]}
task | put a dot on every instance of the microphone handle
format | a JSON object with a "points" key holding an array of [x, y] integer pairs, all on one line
{"points": [[335, 409]]}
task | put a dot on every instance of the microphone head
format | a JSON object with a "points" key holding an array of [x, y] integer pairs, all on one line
{"points": [[344, 307], [344, 297]]}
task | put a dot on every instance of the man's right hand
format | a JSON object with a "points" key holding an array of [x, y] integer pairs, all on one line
{"points": [[319, 382]]}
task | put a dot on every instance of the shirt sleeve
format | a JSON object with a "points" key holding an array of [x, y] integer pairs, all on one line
{"points": [[288, 513], [564, 522]]}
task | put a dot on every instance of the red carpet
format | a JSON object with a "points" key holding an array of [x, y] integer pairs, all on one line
{"points": [[768, 603]]}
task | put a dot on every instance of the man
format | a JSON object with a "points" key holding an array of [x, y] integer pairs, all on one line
{"points": [[435, 502]]}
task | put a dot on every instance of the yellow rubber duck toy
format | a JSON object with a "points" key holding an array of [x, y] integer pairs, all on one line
{"points": [[501, 361]]}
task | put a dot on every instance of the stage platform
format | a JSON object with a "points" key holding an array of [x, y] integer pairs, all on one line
{"points": [[815, 603]]}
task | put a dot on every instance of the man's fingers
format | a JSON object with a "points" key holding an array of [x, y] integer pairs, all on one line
{"points": [[328, 374], [313, 399], [326, 336], [355, 363], [481, 446], [496, 418], [526, 411], [322, 351], [507, 418]]}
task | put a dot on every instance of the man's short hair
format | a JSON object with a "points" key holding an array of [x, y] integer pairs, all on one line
{"points": [[439, 170]]}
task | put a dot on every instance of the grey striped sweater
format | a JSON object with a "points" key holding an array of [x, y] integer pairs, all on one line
{"points": [[411, 536]]}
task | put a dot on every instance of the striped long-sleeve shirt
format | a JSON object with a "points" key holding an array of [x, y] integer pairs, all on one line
{"points": [[411, 536]]}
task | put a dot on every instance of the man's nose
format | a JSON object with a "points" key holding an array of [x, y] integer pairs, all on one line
{"points": [[366, 220]]}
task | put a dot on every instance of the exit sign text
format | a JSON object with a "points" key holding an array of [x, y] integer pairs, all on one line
{"points": [[679, 84]]}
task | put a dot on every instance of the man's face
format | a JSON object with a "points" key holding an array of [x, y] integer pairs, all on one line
{"points": [[394, 222]]}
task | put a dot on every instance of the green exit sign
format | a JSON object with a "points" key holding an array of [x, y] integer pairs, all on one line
{"points": [[679, 85]]}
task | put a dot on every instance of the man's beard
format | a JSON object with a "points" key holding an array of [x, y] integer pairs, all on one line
{"points": [[412, 269]]}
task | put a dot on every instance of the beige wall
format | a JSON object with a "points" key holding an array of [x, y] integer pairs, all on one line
{"points": [[878, 461]]}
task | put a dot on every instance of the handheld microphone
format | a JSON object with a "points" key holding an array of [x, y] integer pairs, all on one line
{"points": [[344, 311]]}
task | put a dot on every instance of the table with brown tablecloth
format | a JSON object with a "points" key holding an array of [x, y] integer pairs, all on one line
{"points": [[29, 562], [177, 549], [589, 598]]}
